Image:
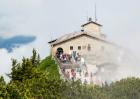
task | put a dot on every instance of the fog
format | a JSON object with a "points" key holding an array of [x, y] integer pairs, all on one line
{"points": [[116, 66]]}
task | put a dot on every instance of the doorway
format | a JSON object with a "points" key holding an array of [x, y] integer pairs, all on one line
{"points": [[59, 51]]}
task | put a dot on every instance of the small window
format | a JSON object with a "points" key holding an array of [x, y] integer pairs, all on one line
{"points": [[79, 47], [89, 47], [71, 47]]}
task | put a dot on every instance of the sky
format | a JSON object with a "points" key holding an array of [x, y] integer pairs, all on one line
{"points": [[35, 22]]}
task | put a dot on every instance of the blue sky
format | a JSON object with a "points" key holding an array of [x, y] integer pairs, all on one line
{"points": [[48, 19]]}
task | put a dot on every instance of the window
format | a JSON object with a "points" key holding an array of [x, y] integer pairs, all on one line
{"points": [[89, 47], [71, 47], [79, 47]]}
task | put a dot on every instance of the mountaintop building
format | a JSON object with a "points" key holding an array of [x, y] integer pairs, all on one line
{"points": [[85, 52], [89, 40]]}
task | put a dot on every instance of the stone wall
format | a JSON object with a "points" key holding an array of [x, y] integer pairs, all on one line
{"points": [[89, 47]]}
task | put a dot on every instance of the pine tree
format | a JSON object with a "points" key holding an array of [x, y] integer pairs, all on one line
{"points": [[26, 69]]}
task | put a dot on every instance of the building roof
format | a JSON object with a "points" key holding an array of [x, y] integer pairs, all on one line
{"points": [[90, 23], [70, 36], [52, 41]]}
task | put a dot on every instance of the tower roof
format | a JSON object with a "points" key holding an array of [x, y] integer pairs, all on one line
{"points": [[89, 22]]}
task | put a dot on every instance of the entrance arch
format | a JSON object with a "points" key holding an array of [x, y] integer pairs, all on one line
{"points": [[59, 50]]}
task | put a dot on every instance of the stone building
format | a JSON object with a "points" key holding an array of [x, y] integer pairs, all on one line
{"points": [[89, 41]]}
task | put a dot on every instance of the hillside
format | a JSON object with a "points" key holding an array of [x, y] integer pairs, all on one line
{"points": [[48, 64], [35, 79]]}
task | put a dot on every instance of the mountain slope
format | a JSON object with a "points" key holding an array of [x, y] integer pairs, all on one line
{"points": [[48, 64]]}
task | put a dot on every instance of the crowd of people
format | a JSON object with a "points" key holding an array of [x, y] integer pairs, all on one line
{"points": [[68, 58], [82, 75], [71, 74], [79, 73]]}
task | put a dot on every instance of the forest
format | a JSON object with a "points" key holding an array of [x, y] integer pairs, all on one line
{"points": [[33, 78]]}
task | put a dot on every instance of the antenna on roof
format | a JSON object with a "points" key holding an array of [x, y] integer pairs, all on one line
{"points": [[95, 13], [87, 16], [51, 36]]}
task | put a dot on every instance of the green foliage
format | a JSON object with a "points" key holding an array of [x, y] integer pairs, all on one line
{"points": [[35, 79], [48, 64], [126, 88], [26, 69], [3, 91]]}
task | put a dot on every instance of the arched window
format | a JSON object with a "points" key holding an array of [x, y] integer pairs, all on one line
{"points": [[59, 50]]}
